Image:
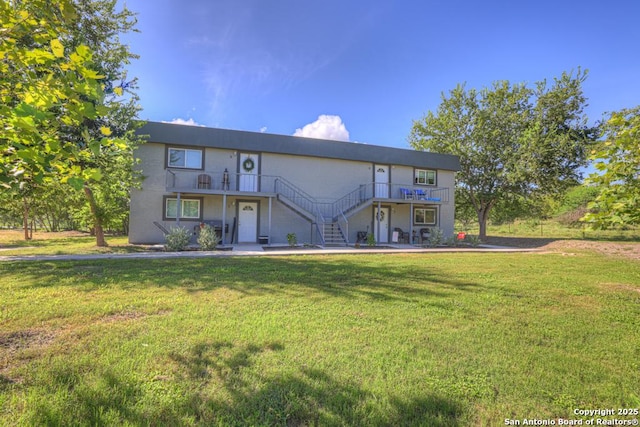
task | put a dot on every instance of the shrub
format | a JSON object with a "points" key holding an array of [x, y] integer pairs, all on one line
{"points": [[573, 218], [437, 237], [292, 239], [371, 240], [208, 238], [578, 198], [177, 239], [473, 240], [451, 241]]}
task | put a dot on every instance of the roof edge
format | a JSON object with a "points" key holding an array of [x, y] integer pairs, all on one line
{"points": [[179, 134]]}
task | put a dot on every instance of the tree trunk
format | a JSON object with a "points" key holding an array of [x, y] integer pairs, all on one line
{"points": [[97, 219], [25, 219], [483, 216]]}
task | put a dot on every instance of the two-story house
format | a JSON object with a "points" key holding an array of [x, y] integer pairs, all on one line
{"points": [[260, 187]]}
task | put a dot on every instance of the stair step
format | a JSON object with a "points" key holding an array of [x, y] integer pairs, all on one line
{"points": [[333, 235], [307, 207]]}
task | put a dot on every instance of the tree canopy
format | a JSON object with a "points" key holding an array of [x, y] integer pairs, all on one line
{"points": [[68, 109], [617, 160], [513, 141], [44, 86]]}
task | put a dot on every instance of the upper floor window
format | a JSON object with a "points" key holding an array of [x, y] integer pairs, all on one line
{"points": [[425, 177], [184, 158]]}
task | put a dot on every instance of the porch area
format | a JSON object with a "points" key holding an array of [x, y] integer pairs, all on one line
{"points": [[338, 221]]}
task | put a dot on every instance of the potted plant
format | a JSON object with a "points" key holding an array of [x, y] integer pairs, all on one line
{"points": [[371, 240]]}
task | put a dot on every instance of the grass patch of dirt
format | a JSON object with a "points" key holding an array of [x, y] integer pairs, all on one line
{"points": [[625, 250], [629, 250], [13, 344]]}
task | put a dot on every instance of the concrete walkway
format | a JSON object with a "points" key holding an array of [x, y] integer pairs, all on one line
{"points": [[258, 250]]}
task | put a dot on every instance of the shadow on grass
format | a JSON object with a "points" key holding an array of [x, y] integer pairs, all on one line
{"points": [[219, 383], [349, 276], [520, 242]]}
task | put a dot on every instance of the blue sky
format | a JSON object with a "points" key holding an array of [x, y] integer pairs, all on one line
{"points": [[364, 70]]}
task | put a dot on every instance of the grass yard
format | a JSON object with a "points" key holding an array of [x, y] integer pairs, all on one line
{"points": [[406, 339], [61, 243]]}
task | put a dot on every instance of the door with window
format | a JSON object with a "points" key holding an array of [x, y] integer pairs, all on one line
{"points": [[247, 222], [381, 179], [382, 217], [249, 166]]}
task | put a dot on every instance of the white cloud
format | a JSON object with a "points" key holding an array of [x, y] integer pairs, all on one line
{"points": [[326, 127], [263, 129], [189, 122]]}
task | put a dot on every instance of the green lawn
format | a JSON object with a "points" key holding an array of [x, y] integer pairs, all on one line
{"points": [[406, 339], [12, 243]]}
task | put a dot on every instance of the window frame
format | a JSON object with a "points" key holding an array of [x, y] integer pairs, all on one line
{"points": [[417, 180], [186, 150], [165, 205], [433, 209]]}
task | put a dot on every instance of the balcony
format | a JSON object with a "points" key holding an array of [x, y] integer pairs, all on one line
{"points": [[206, 182]]}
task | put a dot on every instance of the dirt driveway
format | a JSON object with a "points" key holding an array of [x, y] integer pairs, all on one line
{"points": [[629, 250]]}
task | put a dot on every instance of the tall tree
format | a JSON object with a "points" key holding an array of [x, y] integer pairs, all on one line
{"points": [[617, 160], [99, 27], [68, 106], [513, 141], [44, 86]]}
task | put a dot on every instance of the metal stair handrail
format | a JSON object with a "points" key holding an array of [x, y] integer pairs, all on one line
{"points": [[338, 210], [302, 199], [295, 194], [333, 210], [352, 200]]}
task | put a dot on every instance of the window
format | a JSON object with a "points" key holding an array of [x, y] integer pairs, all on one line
{"points": [[189, 208], [184, 158], [425, 216], [425, 177]]}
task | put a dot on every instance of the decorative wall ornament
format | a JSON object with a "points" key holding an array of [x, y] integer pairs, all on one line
{"points": [[248, 165]]}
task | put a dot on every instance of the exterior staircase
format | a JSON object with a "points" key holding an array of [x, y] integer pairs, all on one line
{"points": [[333, 235], [330, 219], [326, 216]]}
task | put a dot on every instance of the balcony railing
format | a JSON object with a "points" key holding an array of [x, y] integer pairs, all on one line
{"points": [[203, 181], [179, 180], [228, 181]]}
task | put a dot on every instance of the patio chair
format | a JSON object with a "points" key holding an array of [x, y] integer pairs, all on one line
{"points": [[406, 193], [420, 194], [204, 181], [402, 236], [425, 234]]}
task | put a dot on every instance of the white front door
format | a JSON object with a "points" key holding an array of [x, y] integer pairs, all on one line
{"points": [[247, 222], [381, 179], [381, 216], [248, 172]]}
